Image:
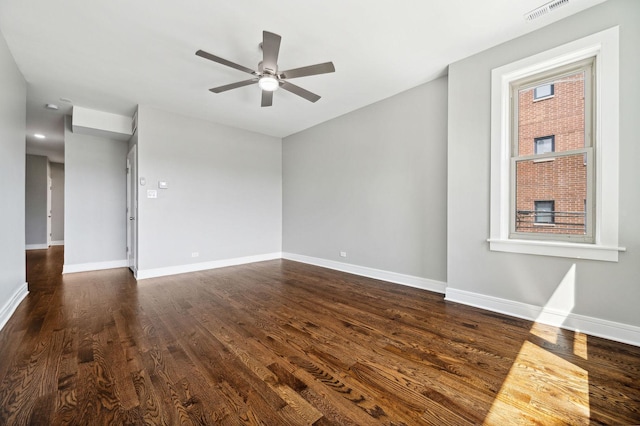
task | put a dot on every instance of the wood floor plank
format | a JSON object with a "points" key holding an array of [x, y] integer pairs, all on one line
{"points": [[284, 343]]}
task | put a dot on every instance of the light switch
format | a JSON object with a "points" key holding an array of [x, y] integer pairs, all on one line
{"points": [[163, 184], [152, 193], [143, 181]]}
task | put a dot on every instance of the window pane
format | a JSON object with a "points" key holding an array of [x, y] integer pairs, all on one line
{"points": [[562, 116], [544, 212], [550, 195]]}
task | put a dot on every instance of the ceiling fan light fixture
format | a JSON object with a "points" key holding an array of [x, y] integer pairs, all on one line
{"points": [[268, 83], [267, 76]]}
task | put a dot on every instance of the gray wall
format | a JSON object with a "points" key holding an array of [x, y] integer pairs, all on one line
{"points": [[225, 191], [372, 183], [603, 290], [95, 199], [12, 175], [36, 200], [57, 202]]}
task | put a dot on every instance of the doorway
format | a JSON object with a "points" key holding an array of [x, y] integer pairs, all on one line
{"points": [[49, 208], [132, 210]]}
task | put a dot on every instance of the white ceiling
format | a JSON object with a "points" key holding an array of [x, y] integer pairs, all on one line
{"points": [[112, 55]]}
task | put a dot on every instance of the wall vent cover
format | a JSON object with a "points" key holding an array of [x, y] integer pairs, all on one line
{"points": [[544, 9]]}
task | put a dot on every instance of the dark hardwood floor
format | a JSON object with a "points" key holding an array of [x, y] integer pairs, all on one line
{"points": [[283, 343]]}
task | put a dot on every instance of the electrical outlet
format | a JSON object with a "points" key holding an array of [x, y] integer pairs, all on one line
{"points": [[195, 254], [343, 254]]}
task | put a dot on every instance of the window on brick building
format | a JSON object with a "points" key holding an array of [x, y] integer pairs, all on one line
{"points": [[544, 212], [544, 144], [543, 92], [554, 164]]}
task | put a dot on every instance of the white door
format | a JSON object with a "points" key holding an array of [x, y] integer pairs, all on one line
{"points": [[132, 210], [49, 189]]}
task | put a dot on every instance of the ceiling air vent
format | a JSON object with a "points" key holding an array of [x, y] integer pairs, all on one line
{"points": [[544, 9]]}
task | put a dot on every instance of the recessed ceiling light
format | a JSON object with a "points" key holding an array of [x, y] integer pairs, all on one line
{"points": [[51, 106], [39, 135], [67, 100]]}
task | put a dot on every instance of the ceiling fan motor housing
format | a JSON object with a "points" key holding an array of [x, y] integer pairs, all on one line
{"points": [[264, 70]]}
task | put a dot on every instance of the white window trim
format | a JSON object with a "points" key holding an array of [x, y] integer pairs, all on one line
{"points": [[604, 46]]}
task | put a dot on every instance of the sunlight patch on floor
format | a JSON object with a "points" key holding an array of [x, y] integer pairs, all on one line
{"points": [[546, 332], [541, 388], [580, 345]]}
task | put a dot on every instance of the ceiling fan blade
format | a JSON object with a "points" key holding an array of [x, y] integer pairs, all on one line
{"points": [[327, 67], [219, 60], [311, 97], [233, 85], [267, 98], [270, 51]]}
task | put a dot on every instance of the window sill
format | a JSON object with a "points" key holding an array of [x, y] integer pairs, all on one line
{"points": [[557, 249], [543, 98], [545, 160]]}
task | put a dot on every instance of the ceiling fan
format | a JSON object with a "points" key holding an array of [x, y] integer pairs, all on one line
{"points": [[267, 77]]}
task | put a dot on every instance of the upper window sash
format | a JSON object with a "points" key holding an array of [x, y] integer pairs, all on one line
{"points": [[586, 65]]}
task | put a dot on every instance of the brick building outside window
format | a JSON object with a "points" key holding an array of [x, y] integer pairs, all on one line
{"points": [[551, 119]]}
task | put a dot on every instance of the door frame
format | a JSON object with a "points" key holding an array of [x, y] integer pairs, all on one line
{"points": [[132, 210], [49, 206]]}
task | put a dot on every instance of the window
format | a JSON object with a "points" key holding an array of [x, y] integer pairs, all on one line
{"points": [[545, 144], [557, 195], [543, 92], [544, 212], [553, 171]]}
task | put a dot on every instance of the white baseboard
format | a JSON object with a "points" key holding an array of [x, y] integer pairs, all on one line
{"points": [[57, 243], [36, 246], [203, 266], [589, 325], [12, 304], [394, 277], [95, 266]]}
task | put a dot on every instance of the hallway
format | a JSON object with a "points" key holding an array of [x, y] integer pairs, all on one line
{"points": [[44, 269]]}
